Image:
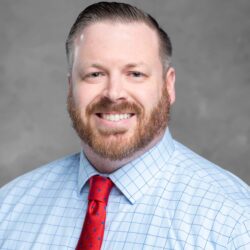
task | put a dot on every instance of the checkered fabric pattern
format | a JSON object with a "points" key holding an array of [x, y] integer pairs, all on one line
{"points": [[169, 198]]}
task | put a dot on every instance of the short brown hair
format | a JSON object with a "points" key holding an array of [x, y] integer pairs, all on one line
{"points": [[117, 12]]}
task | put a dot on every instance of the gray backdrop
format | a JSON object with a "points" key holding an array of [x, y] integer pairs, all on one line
{"points": [[211, 41]]}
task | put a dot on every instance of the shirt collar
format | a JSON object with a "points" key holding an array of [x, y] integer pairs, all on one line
{"points": [[136, 177], [86, 170]]}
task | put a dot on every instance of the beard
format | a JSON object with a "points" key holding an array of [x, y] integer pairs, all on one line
{"points": [[113, 144]]}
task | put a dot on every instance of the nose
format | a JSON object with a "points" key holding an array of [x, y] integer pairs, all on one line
{"points": [[114, 89]]}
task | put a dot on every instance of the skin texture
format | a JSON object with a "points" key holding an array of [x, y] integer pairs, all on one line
{"points": [[117, 70]]}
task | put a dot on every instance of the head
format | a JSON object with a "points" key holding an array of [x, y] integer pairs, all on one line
{"points": [[117, 13], [121, 84]]}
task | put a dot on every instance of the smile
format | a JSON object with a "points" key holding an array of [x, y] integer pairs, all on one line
{"points": [[115, 117]]}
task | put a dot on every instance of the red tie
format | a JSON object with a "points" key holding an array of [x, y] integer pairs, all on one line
{"points": [[93, 228]]}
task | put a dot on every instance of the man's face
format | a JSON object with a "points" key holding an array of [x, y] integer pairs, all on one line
{"points": [[119, 99]]}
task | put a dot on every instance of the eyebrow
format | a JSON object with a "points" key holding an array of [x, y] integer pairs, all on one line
{"points": [[83, 67], [129, 65], [133, 65], [96, 65], [102, 67]]}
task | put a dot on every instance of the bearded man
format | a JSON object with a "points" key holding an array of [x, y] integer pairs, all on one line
{"points": [[132, 186]]}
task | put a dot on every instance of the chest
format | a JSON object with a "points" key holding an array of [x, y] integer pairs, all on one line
{"points": [[151, 223]]}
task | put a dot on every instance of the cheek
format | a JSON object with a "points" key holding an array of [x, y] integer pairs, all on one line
{"points": [[149, 99], [83, 96]]}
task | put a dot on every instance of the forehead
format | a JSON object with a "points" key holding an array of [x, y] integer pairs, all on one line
{"points": [[135, 39]]}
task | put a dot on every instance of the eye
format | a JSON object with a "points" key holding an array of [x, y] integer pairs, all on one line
{"points": [[136, 74], [95, 74]]}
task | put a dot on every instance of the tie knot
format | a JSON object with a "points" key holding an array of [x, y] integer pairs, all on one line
{"points": [[100, 188]]}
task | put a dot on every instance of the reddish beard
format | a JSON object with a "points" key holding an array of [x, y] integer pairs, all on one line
{"points": [[114, 144]]}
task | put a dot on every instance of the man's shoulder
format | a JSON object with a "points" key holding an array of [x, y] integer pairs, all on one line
{"points": [[214, 200], [193, 170], [43, 176]]}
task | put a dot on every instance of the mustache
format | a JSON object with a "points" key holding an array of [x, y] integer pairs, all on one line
{"points": [[105, 105]]}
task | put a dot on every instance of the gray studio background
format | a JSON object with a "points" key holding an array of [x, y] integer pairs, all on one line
{"points": [[211, 41]]}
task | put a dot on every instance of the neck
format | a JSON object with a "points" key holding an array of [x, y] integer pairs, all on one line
{"points": [[107, 166]]}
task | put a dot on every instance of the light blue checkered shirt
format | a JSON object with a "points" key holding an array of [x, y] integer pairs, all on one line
{"points": [[169, 198]]}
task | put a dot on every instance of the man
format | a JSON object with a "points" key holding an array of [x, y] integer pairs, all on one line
{"points": [[163, 196]]}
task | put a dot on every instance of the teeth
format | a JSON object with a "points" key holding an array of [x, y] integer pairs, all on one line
{"points": [[115, 117]]}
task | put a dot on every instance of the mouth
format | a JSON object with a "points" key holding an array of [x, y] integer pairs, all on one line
{"points": [[115, 117]]}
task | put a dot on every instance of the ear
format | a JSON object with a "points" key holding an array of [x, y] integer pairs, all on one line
{"points": [[170, 82], [69, 80]]}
